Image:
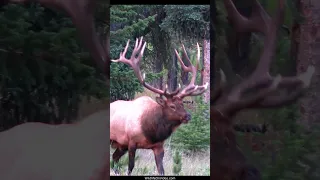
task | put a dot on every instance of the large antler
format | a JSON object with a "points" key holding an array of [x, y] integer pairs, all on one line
{"points": [[134, 62], [81, 12], [228, 162], [191, 89], [260, 78]]}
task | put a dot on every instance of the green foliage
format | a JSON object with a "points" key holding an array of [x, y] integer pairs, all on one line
{"points": [[195, 136], [288, 115], [177, 164], [44, 70], [296, 159], [187, 21], [143, 170], [296, 149], [290, 152], [123, 82], [126, 23]]}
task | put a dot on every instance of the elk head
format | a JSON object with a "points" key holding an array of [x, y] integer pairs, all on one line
{"points": [[171, 103], [259, 90]]}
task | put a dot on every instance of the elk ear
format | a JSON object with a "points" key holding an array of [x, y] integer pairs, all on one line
{"points": [[160, 101]]}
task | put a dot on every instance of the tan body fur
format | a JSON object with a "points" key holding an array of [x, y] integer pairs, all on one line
{"points": [[125, 121]]}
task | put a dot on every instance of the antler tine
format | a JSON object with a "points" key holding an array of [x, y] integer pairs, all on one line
{"points": [[186, 55], [259, 22], [192, 68], [301, 83], [191, 89], [175, 92], [199, 89], [268, 53], [243, 24], [136, 49], [260, 76], [184, 67], [135, 63], [254, 99]]}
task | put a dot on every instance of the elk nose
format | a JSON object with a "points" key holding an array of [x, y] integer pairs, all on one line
{"points": [[188, 117]]}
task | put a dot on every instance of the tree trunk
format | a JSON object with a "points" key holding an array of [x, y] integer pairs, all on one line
{"points": [[213, 15], [172, 74], [206, 66], [157, 69], [161, 41], [309, 54]]}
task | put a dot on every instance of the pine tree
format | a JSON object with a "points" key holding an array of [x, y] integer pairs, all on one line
{"points": [[44, 69], [195, 136], [177, 164]]}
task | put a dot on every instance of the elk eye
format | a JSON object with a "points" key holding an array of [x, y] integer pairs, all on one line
{"points": [[173, 107]]}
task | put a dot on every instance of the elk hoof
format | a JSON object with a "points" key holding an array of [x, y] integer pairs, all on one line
{"points": [[116, 172], [129, 173]]}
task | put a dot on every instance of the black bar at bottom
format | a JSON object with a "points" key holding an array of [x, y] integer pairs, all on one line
{"points": [[158, 177]]}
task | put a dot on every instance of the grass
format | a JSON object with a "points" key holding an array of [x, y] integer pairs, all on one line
{"points": [[194, 164]]}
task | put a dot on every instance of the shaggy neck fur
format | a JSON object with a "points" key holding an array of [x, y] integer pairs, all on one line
{"points": [[156, 127]]}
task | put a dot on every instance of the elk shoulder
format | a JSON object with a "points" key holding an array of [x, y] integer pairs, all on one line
{"points": [[140, 121]]}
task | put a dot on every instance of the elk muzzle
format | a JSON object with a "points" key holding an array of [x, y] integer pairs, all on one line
{"points": [[186, 118]]}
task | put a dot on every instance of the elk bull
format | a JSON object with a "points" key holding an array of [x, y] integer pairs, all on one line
{"points": [[144, 123], [79, 151]]}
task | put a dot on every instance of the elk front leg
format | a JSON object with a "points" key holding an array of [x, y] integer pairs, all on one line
{"points": [[116, 157], [158, 155], [132, 155]]}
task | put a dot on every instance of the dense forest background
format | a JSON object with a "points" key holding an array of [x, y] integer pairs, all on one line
{"points": [[282, 143]]}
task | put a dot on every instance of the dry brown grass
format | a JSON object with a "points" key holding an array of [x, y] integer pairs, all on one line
{"points": [[196, 164]]}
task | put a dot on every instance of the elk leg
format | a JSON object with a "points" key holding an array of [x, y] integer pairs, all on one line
{"points": [[158, 155], [116, 157], [132, 155]]}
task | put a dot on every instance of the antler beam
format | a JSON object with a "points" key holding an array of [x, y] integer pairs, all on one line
{"points": [[260, 79], [135, 65], [191, 89]]}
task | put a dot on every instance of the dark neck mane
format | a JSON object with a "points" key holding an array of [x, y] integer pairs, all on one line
{"points": [[158, 128]]}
